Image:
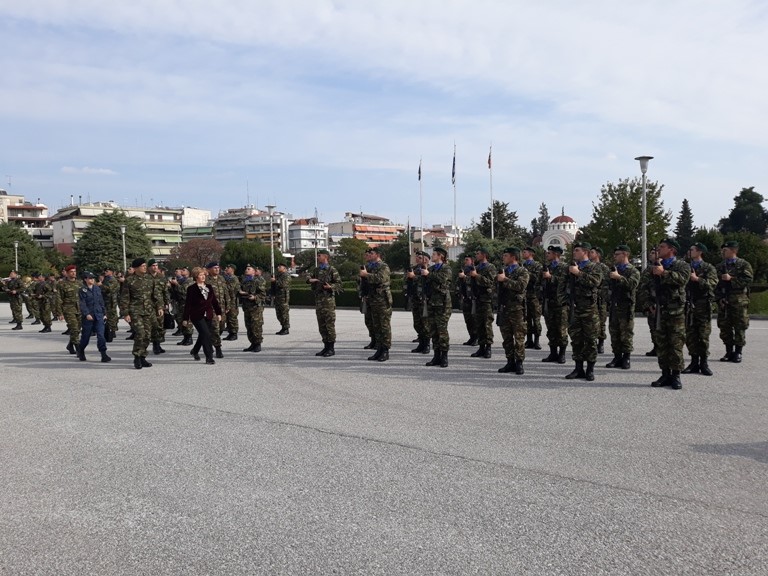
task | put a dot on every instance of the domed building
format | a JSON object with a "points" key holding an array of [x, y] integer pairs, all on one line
{"points": [[560, 232]]}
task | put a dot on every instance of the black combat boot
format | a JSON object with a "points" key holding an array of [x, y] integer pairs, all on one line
{"points": [[219, 353], [590, 373], [157, 349], [436, 359], [728, 353], [376, 354], [615, 363], [552, 355], [600, 347], [529, 341], [427, 347], [66, 332], [704, 367], [652, 352], [196, 356], [371, 345], [625, 365], [664, 379], [80, 354], [674, 380], [36, 322], [131, 336], [105, 358], [384, 354], [29, 317], [256, 348], [177, 333], [250, 349], [519, 370], [46, 329], [561, 355], [145, 363], [736, 356], [471, 342], [283, 331], [487, 351], [578, 371], [210, 360], [17, 327], [137, 362], [536, 345], [420, 348], [321, 353], [508, 367], [186, 341], [232, 336], [329, 350], [478, 353], [109, 335], [71, 348], [444, 359], [693, 367]]}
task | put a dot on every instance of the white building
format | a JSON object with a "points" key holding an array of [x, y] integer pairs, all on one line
{"points": [[33, 218], [561, 232], [252, 224], [307, 234]]}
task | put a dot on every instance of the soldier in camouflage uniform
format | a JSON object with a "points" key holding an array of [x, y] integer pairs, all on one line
{"points": [[253, 295], [178, 295], [69, 301], [580, 290], [44, 294], [437, 291], [467, 299], [380, 303], [161, 293], [15, 289], [56, 310], [281, 289], [415, 294], [623, 281], [532, 298], [733, 301], [553, 309], [219, 285], [603, 296], [140, 306], [644, 294], [30, 301], [483, 283], [110, 291], [670, 277], [234, 289], [698, 310], [513, 281], [326, 283], [364, 289]]}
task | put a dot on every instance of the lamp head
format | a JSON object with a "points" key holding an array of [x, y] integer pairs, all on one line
{"points": [[644, 163]]}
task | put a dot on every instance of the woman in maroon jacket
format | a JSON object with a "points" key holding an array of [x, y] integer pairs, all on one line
{"points": [[202, 309]]}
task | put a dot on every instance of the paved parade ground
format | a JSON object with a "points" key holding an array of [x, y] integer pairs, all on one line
{"points": [[284, 463]]}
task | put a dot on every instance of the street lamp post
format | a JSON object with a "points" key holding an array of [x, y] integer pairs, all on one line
{"points": [[644, 168], [125, 260], [16, 254], [271, 209]]}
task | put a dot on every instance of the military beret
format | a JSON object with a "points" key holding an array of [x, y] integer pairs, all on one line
{"points": [[556, 249], [439, 250], [211, 264], [138, 262], [151, 262], [88, 274], [53, 274], [422, 253], [483, 249], [70, 267], [598, 250], [622, 248], [730, 244], [108, 269], [375, 249], [232, 266], [701, 247], [513, 250], [671, 242], [582, 245], [36, 274], [324, 251], [529, 249]]}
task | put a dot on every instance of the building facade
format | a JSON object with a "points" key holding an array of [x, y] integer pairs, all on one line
{"points": [[307, 234], [33, 218], [561, 232]]}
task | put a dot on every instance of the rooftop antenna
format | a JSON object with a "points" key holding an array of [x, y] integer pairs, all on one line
{"points": [[247, 194]]}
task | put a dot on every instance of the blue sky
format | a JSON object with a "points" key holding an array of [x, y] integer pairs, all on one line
{"points": [[330, 104]]}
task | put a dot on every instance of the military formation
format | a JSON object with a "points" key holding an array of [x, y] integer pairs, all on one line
{"points": [[583, 301]]}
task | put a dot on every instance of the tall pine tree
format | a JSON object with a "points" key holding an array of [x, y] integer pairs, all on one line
{"points": [[684, 230]]}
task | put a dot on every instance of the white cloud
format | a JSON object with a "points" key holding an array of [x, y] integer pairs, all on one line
{"points": [[89, 171]]}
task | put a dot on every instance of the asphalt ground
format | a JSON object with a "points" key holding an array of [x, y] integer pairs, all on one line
{"points": [[284, 463]]}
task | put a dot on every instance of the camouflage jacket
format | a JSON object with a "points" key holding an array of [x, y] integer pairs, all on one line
{"points": [[623, 292], [110, 289], [252, 286], [138, 296], [233, 283], [414, 288], [437, 285], [741, 279], [282, 285], [550, 287], [513, 289], [68, 294], [328, 275], [669, 288], [220, 288], [161, 288], [378, 281], [704, 289], [583, 288], [534, 269], [604, 293], [484, 283]]}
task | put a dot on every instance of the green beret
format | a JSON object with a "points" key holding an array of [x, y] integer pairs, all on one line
{"points": [[555, 249], [701, 247], [671, 242], [151, 262], [730, 244], [232, 266], [529, 249], [598, 250], [138, 262], [582, 245], [373, 249], [422, 253], [440, 250], [514, 250], [324, 251], [622, 248], [483, 249]]}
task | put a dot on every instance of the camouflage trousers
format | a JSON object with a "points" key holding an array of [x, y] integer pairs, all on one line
{"points": [[73, 319], [583, 330], [44, 311], [368, 317], [602, 316], [513, 332], [178, 314], [325, 310], [621, 326], [438, 327], [16, 308], [651, 319], [381, 315], [157, 332], [254, 324], [142, 329], [469, 319], [733, 320], [556, 320], [56, 309], [422, 324], [533, 315], [698, 328], [670, 340], [232, 321], [112, 317], [484, 323], [283, 311], [33, 307]]}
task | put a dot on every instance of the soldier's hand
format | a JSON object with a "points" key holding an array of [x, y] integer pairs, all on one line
{"points": [[615, 275], [363, 273], [658, 270], [425, 272], [89, 317], [327, 286], [462, 275], [694, 277], [313, 280], [61, 318], [574, 269], [547, 275], [218, 317], [411, 275], [501, 277], [473, 273], [127, 318], [726, 277], [160, 312]]}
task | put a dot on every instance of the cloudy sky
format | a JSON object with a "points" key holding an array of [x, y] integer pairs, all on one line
{"points": [[331, 103]]}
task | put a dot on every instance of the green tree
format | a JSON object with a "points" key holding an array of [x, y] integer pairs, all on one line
{"points": [[102, 242], [474, 239], [712, 239], [243, 252], [685, 229], [305, 259], [539, 224], [195, 252], [31, 256], [505, 227], [747, 215], [397, 254], [753, 250], [617, 216]]}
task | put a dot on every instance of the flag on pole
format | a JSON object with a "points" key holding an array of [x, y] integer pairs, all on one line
{"points": [[453, 170], [489, 157], [419, 170]]}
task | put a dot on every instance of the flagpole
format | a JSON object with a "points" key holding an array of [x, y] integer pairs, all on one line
{"points": [[490, 173], [453, 181], [421, 209]]}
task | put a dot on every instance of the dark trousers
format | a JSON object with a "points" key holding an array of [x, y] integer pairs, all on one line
{"points": [[204, 329], [89, 326]]}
